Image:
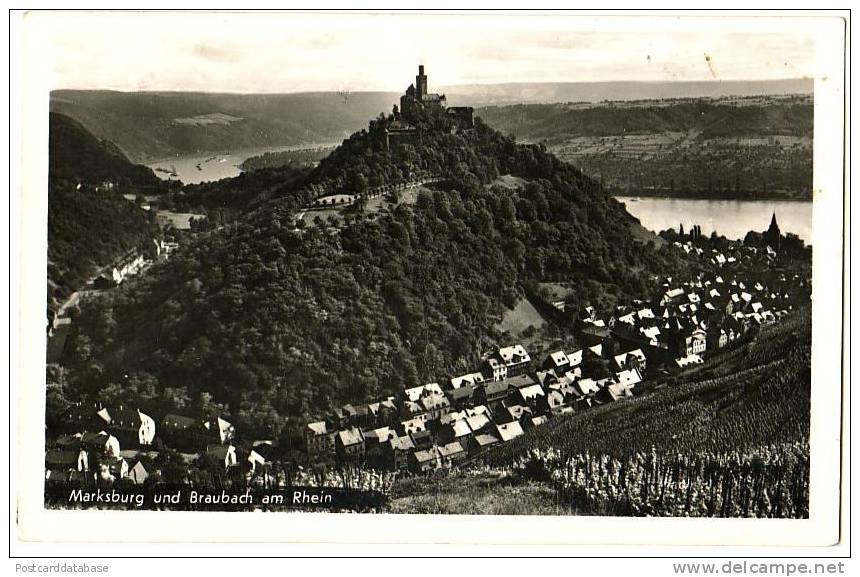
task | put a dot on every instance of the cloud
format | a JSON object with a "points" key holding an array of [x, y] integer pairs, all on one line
{"points": [[288, 52]]}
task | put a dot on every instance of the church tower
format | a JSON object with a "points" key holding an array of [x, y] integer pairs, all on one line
{"points": [[773, 234], [421, 83]]}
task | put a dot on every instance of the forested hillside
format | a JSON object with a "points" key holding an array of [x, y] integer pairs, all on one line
{"points": [[89, 224], [153, 125], [270, 324]]}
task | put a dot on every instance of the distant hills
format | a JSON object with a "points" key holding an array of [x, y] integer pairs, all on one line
{"points": [[731, 147], [549, 92], [154, 125]]}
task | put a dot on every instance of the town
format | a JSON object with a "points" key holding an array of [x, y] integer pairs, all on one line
{"points": [[734, 293]]}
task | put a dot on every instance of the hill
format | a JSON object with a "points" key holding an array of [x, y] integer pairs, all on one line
{"points": [[90, 224], [156, 125], [717, 148], [76, 155], [272, 323]]}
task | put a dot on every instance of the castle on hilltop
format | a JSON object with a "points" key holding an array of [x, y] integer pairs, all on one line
{"points": [[418, 96]]}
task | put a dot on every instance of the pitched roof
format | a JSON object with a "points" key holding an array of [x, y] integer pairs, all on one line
{"points": [[531, 392], [509, 431], [451, 449], [485, 440], [318, 428], [403, 443], [350, 437]]}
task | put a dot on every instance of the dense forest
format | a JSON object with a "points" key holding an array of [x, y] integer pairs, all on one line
{"points": [[270, 324], [89, 224]]}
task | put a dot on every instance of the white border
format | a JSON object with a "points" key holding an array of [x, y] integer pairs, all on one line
{"points": [[36, 524]]}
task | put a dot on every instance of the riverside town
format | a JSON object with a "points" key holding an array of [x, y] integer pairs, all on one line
{"points": [[435, 311]]}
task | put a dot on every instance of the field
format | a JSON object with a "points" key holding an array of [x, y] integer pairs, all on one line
{"points": [[517, 320]]}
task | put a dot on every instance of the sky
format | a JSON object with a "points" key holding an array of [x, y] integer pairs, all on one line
{"points": [[297, 52]]}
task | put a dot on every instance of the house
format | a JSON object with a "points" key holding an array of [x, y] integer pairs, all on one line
{"points": [[375, 445], [82, 417], [717, 338], [412, 409], [631, 359], [452, 453], [64, 461], [555, 401], [585, 387], [519, 381], [462, 397], [455, 431], [494, 369], [531, 396], [480, 442], [319, 440], [469, 379], [383, 413], [130, 426], [113, 469], [224, 455], [349, 445], [422, 439], [100, 443], [138, 474], [256, 460], [536, 421], [413, 425], [612, 393], [696, 342], [435, 405], [415, 394], [516, 359], [378, 436], [688, 360], [398, 451], [548, 377], [479, 422], [513, 413], [493, 392], [557, 361], [629, 378], [424, 460], [509, 431]]}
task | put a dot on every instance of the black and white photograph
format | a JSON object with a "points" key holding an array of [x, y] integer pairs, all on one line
{"points": [[452, 264]]}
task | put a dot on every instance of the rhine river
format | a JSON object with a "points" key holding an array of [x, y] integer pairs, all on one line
{"points": [[730, 218], [208, 167]]}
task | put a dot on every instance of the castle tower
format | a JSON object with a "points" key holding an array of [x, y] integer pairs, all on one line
{"points": [[421, 83]]}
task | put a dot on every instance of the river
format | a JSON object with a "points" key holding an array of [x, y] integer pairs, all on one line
{"points": [[730, 218], [213, 166]]}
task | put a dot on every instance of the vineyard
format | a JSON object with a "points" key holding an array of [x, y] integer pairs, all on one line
{"points": [[769, 482], [726, 439]]}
